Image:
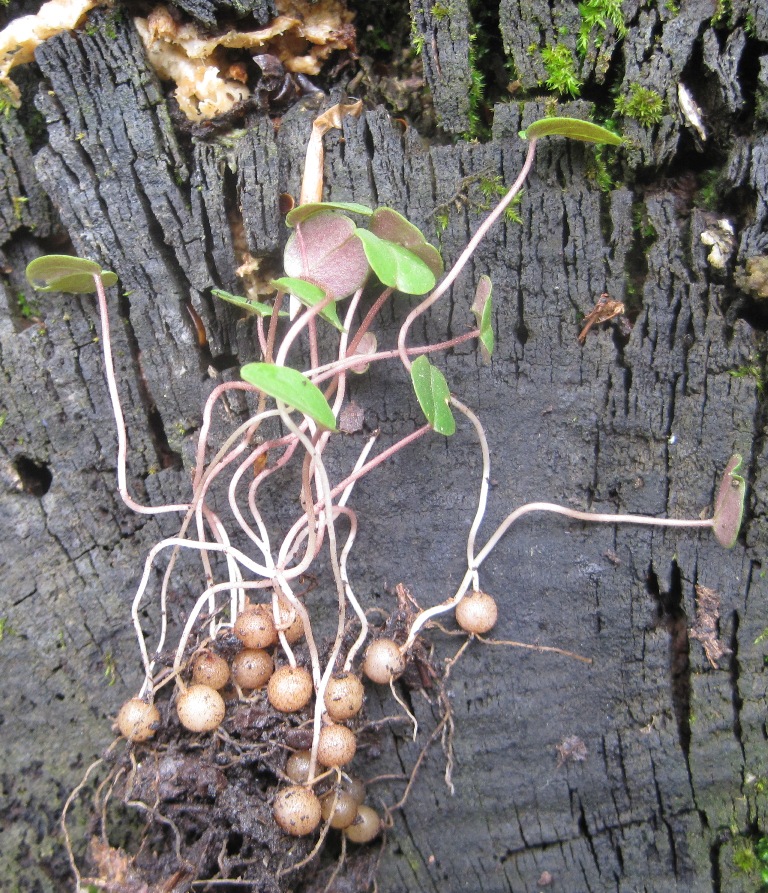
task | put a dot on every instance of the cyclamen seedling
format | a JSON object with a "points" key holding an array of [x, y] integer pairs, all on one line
{"points": [[333, 253]]}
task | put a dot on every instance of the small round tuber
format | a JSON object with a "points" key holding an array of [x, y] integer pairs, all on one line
{"points": [[344, 696], [290, 689], [200, 708], [477, 612], [137, 720], [383, 661], [297, 810]]}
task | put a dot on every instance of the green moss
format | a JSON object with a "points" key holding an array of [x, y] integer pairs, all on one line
{"points": [[492, 188], [758, 373], [440, 11], [642, 224], [645, 105], [760, 785], [599, 172], [723, 14], [596, 16], [417, 39], [7, 102], [478, 55], [110, 668], [18, 202], [27, 309], [750, 857], [107, 26], [477, 192], [709, 192], [561, 70]]}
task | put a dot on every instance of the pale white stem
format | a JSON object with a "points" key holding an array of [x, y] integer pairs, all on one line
{"points": [[484, 478], [171, 542], [442, 608], [277, 617], [203, 482], [347, 492], [262, 335], [282, 587], [328, 370], [300, 531], [260, 540], [300, 323], [210, 592], [297, 534], [243, 429], [122, 437], [214, 526], [356, 606], [465, 255], [331, 665], [575, 514], [326, 517], [554, 508], [382, 457]]}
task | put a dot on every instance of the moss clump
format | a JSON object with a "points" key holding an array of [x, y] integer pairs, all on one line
{"points": [[561, 70], [645, 105], [595, 15]]}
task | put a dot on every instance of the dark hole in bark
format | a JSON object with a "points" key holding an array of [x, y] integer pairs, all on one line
{"points": [[35, 476], [671, 615]]}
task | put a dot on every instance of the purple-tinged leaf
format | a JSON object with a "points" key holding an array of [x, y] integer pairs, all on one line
{"points": [[729, 504], [324, 250], [481, 307], [302, 212]]}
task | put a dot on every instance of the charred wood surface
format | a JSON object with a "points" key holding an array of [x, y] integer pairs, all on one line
{"points": [[674, 776]]}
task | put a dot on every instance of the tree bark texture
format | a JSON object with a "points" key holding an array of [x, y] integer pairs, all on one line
{"points": [[674, 783]]}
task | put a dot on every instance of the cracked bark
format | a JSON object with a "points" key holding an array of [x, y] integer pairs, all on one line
{"points": [[676, 749]]}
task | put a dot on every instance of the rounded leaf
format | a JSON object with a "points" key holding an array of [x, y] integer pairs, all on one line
{"points": [[302, 212], [64, 273], [293, 388], [393, 227], [324, 250], [433, 394], [573, 128], [397, 266], [729, 504]]}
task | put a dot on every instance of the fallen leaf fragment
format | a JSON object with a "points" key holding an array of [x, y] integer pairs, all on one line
{"points": [[691, 111], [571, 750], [605, 309], [705, 628]]}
